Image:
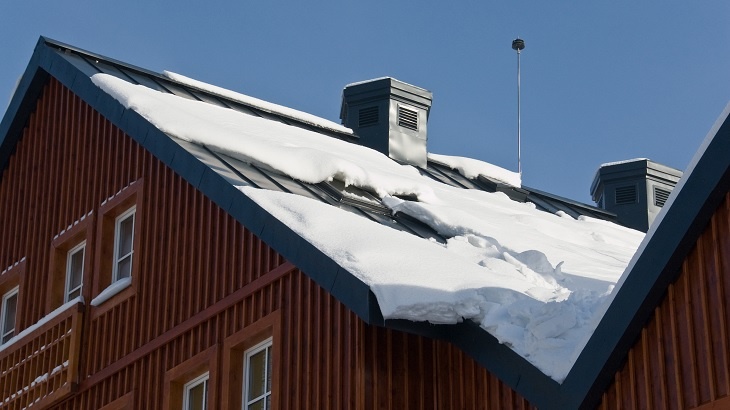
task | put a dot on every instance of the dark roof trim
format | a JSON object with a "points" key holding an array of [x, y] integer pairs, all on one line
{"points": [[655, 268], [51, 59], [653, 271], [22, 104]]}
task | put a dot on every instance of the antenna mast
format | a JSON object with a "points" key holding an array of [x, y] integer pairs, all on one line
{"points": [[518, 45]]}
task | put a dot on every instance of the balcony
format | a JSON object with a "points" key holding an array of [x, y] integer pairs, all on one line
{"points": [[39, 366]]}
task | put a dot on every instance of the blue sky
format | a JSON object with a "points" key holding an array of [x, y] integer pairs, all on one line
{"points": [[601, 81]]}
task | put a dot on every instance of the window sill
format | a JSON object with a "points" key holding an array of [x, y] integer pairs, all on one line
{"points": [[117, 291]]}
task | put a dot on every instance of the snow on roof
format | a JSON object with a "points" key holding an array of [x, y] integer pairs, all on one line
{"points": [[472, 168], [384, 78], [260, 104], [626, 161], [536, 281]]}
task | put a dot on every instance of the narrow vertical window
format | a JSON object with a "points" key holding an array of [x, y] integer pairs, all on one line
{"points": [[9, 310], [123, 245], [257, 370], [196, 394], [74, 272]]}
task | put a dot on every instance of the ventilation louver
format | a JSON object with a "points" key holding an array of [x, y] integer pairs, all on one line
{"points": [[626, 195], [368, 116], [408, 118], [660, 196]]}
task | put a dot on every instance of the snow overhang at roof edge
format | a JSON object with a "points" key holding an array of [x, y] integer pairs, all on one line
{"points": [[507, 365]]}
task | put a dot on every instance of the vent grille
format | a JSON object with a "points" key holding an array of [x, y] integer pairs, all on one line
{"points": [[626, 195], [367, 116], [660, 196], [408, 118]]}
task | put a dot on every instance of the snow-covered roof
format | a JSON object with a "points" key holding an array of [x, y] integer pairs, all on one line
{"points": [[532, 279], [539, 297]]}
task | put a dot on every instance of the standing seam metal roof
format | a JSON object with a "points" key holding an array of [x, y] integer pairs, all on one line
{"points": [[217, 175]]}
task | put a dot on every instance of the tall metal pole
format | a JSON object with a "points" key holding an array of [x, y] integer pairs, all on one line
{"points": [[518, 44]]}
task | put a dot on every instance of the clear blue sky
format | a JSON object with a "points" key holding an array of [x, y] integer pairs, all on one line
{"points": [[601, 81]]}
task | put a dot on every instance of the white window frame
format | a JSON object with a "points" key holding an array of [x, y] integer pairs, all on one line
{"points": [[247, 355], [6, 296], [117, 222], [78, 248], [202, 379]]}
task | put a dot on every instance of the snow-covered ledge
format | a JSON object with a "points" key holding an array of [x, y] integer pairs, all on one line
{"points": [[112, 290], [45, 319]]}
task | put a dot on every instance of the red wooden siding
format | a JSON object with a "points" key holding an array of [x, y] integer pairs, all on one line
{"points": [[404, 371], [200, 279], [682, 359]]}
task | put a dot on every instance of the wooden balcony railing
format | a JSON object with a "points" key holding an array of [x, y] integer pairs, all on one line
{"points": [[40, 366]]}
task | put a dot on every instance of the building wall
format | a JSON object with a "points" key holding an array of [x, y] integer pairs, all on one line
{"points": [[203, 288], [682, 358]]}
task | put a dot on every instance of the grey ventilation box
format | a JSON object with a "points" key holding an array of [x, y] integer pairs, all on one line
{"points": [[635, 190], [389, 116]]}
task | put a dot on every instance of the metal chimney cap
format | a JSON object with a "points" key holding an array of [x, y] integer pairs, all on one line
{"points": [[518, 44]]}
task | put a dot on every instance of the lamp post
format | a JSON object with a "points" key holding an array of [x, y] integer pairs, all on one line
{"points": [[518, 45]]}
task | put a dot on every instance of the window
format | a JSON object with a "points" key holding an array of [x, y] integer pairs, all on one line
{"points": [[187, 384], [196, 394], [70, 259], [258, 370], [74, 272], [251, 366], [123, 245], [116, 248], [8, 311]]}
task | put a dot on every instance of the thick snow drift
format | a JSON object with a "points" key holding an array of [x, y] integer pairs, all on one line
{"points": [[534, 280]]}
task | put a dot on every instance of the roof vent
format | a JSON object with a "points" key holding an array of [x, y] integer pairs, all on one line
{"points": [[367, 116], [626, 195], [660, 196], [402, 135], [407, 118], [640, 188]]}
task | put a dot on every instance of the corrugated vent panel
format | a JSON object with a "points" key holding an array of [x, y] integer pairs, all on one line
{"points": [[368, 116], [408, 118], [660, 196], [626, 195]]}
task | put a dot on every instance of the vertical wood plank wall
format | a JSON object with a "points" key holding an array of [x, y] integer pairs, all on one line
{"points": [[682, 358], [404, 371], [191, 256]]}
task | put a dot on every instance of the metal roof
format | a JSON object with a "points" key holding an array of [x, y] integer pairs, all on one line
{"points": [[216, 175], [333, 193]]}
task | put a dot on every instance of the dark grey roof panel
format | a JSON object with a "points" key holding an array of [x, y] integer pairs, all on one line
{"points": [[180, 91], [439, 175], [81, 63], [208, 98], [113, 70], [146, 81], [242, 108], [292, 186], [544, 205], [251, 173], [206, 157]]}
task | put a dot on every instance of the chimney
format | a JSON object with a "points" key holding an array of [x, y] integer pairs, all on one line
{"points": [[635, 190], [389, 116]]}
